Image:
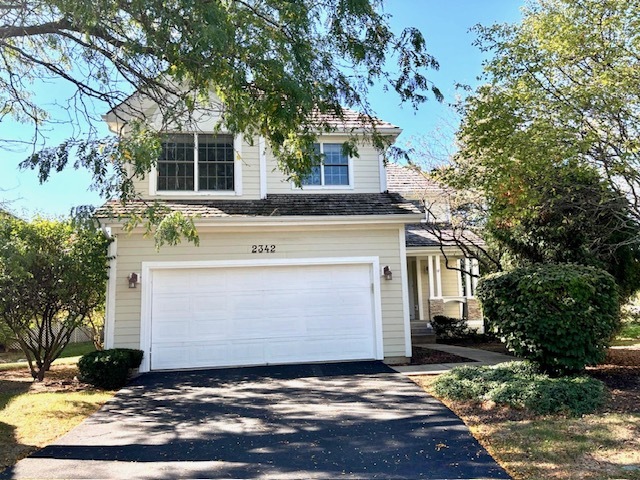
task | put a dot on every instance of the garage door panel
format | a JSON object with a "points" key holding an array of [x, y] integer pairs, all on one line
{"points": [[261, 315]]}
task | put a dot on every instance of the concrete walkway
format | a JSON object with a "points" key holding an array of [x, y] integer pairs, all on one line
{"points": [[480, 357]]}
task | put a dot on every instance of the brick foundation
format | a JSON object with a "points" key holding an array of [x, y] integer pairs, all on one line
{"points": [[474, 310], [436, 307]]}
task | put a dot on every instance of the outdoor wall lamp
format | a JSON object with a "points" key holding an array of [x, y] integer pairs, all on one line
{"points": [[387, 273], [133, 280]]}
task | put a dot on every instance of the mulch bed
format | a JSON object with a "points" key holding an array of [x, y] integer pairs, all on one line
{"points": [[428, 356], [620, 372]]}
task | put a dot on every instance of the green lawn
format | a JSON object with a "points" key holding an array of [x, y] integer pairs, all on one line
{"points": [[629, 333], [15, 359]]}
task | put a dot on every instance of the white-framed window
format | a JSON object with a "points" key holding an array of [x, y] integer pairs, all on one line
{"points": [[334, 171], [196, 163]]}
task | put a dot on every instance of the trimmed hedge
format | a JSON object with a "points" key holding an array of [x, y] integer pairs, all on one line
{"points": [[109, 369], [559, 316], [522, 385]]}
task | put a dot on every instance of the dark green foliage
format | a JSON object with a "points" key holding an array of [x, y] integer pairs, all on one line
{"points": [[449, 327], [569, 215], [522, 385], [559, 316], [109, 369]]}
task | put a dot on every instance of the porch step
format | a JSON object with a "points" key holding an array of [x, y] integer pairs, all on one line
{"points": [[421, 332], [421, 328]]}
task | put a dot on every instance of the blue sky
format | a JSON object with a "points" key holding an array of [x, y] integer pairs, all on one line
{"points": [[444, 23]]}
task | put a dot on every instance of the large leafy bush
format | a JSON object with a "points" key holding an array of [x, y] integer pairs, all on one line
{"points": [[560, 316]]}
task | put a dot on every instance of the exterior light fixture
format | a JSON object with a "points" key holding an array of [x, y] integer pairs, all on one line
{"points": [[133, 280], [386, 272]]}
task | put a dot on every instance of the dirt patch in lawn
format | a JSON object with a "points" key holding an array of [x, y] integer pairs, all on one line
{"points": [[428, 356], [490, 346], [61, 378]]}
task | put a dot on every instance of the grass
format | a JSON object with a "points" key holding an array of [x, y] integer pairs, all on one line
{"points": [[629, 333], [13, 360], [34, 415]]}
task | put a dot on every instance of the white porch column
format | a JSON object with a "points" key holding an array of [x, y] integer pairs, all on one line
{"points": [[438, 276], [475, 271], [467, 277], [460, 288], [419, 287], [432, 278]]}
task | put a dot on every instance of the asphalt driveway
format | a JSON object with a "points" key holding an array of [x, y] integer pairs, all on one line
{"points": [[347, 420]]}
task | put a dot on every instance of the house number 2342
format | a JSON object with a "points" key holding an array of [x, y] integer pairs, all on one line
{"points": [[263, 249]]}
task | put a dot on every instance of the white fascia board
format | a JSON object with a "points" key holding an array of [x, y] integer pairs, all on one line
{"points": [[295, 221]]}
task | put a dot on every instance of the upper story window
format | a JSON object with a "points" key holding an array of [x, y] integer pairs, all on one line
{"points": [[196, 162], [334, 169]]}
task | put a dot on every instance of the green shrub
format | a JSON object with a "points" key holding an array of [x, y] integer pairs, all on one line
{"points": [[449, 327], [560, 316], [521, 385], [109, 368]]}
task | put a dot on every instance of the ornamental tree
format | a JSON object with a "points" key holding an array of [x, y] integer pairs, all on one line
{"points": [[52, 277]]}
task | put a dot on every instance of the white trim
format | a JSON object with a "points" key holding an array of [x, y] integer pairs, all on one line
{"points": [[290, 221], [322, 186], [439, 276], [432, 278], [405, 292], [237, 172], [475, 271], [110, 312], [419, 287], [237, 164], [467, 277], [383, 173], [460, 291], [147, 290], [196, 164], [262, 147]]}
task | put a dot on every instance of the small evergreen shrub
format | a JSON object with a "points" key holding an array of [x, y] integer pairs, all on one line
{"points": [[522, 385], [559, 316], [449, 327], [109, 369]]}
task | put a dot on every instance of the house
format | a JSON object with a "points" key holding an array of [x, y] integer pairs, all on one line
{"points": [[331, 271], [441, 280]]}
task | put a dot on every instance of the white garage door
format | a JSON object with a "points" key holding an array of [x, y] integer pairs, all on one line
{"points": [[210, 317]]}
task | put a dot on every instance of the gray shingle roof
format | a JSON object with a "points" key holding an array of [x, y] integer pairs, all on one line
{"points": [[409, 180], [274, 206], [351, 120], [425, 235]]}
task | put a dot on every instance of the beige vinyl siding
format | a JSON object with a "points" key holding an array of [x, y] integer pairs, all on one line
{"points": [[311, 242], [250, 164], [366, 172]]}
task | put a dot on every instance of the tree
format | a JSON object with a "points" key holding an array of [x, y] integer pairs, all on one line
{"points": [[570, 215], [548, 146], [562, 87], [52, 277], [278, 67]]}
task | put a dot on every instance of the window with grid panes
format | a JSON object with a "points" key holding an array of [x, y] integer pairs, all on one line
{"points": [[186, 157], [334, 169]]}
